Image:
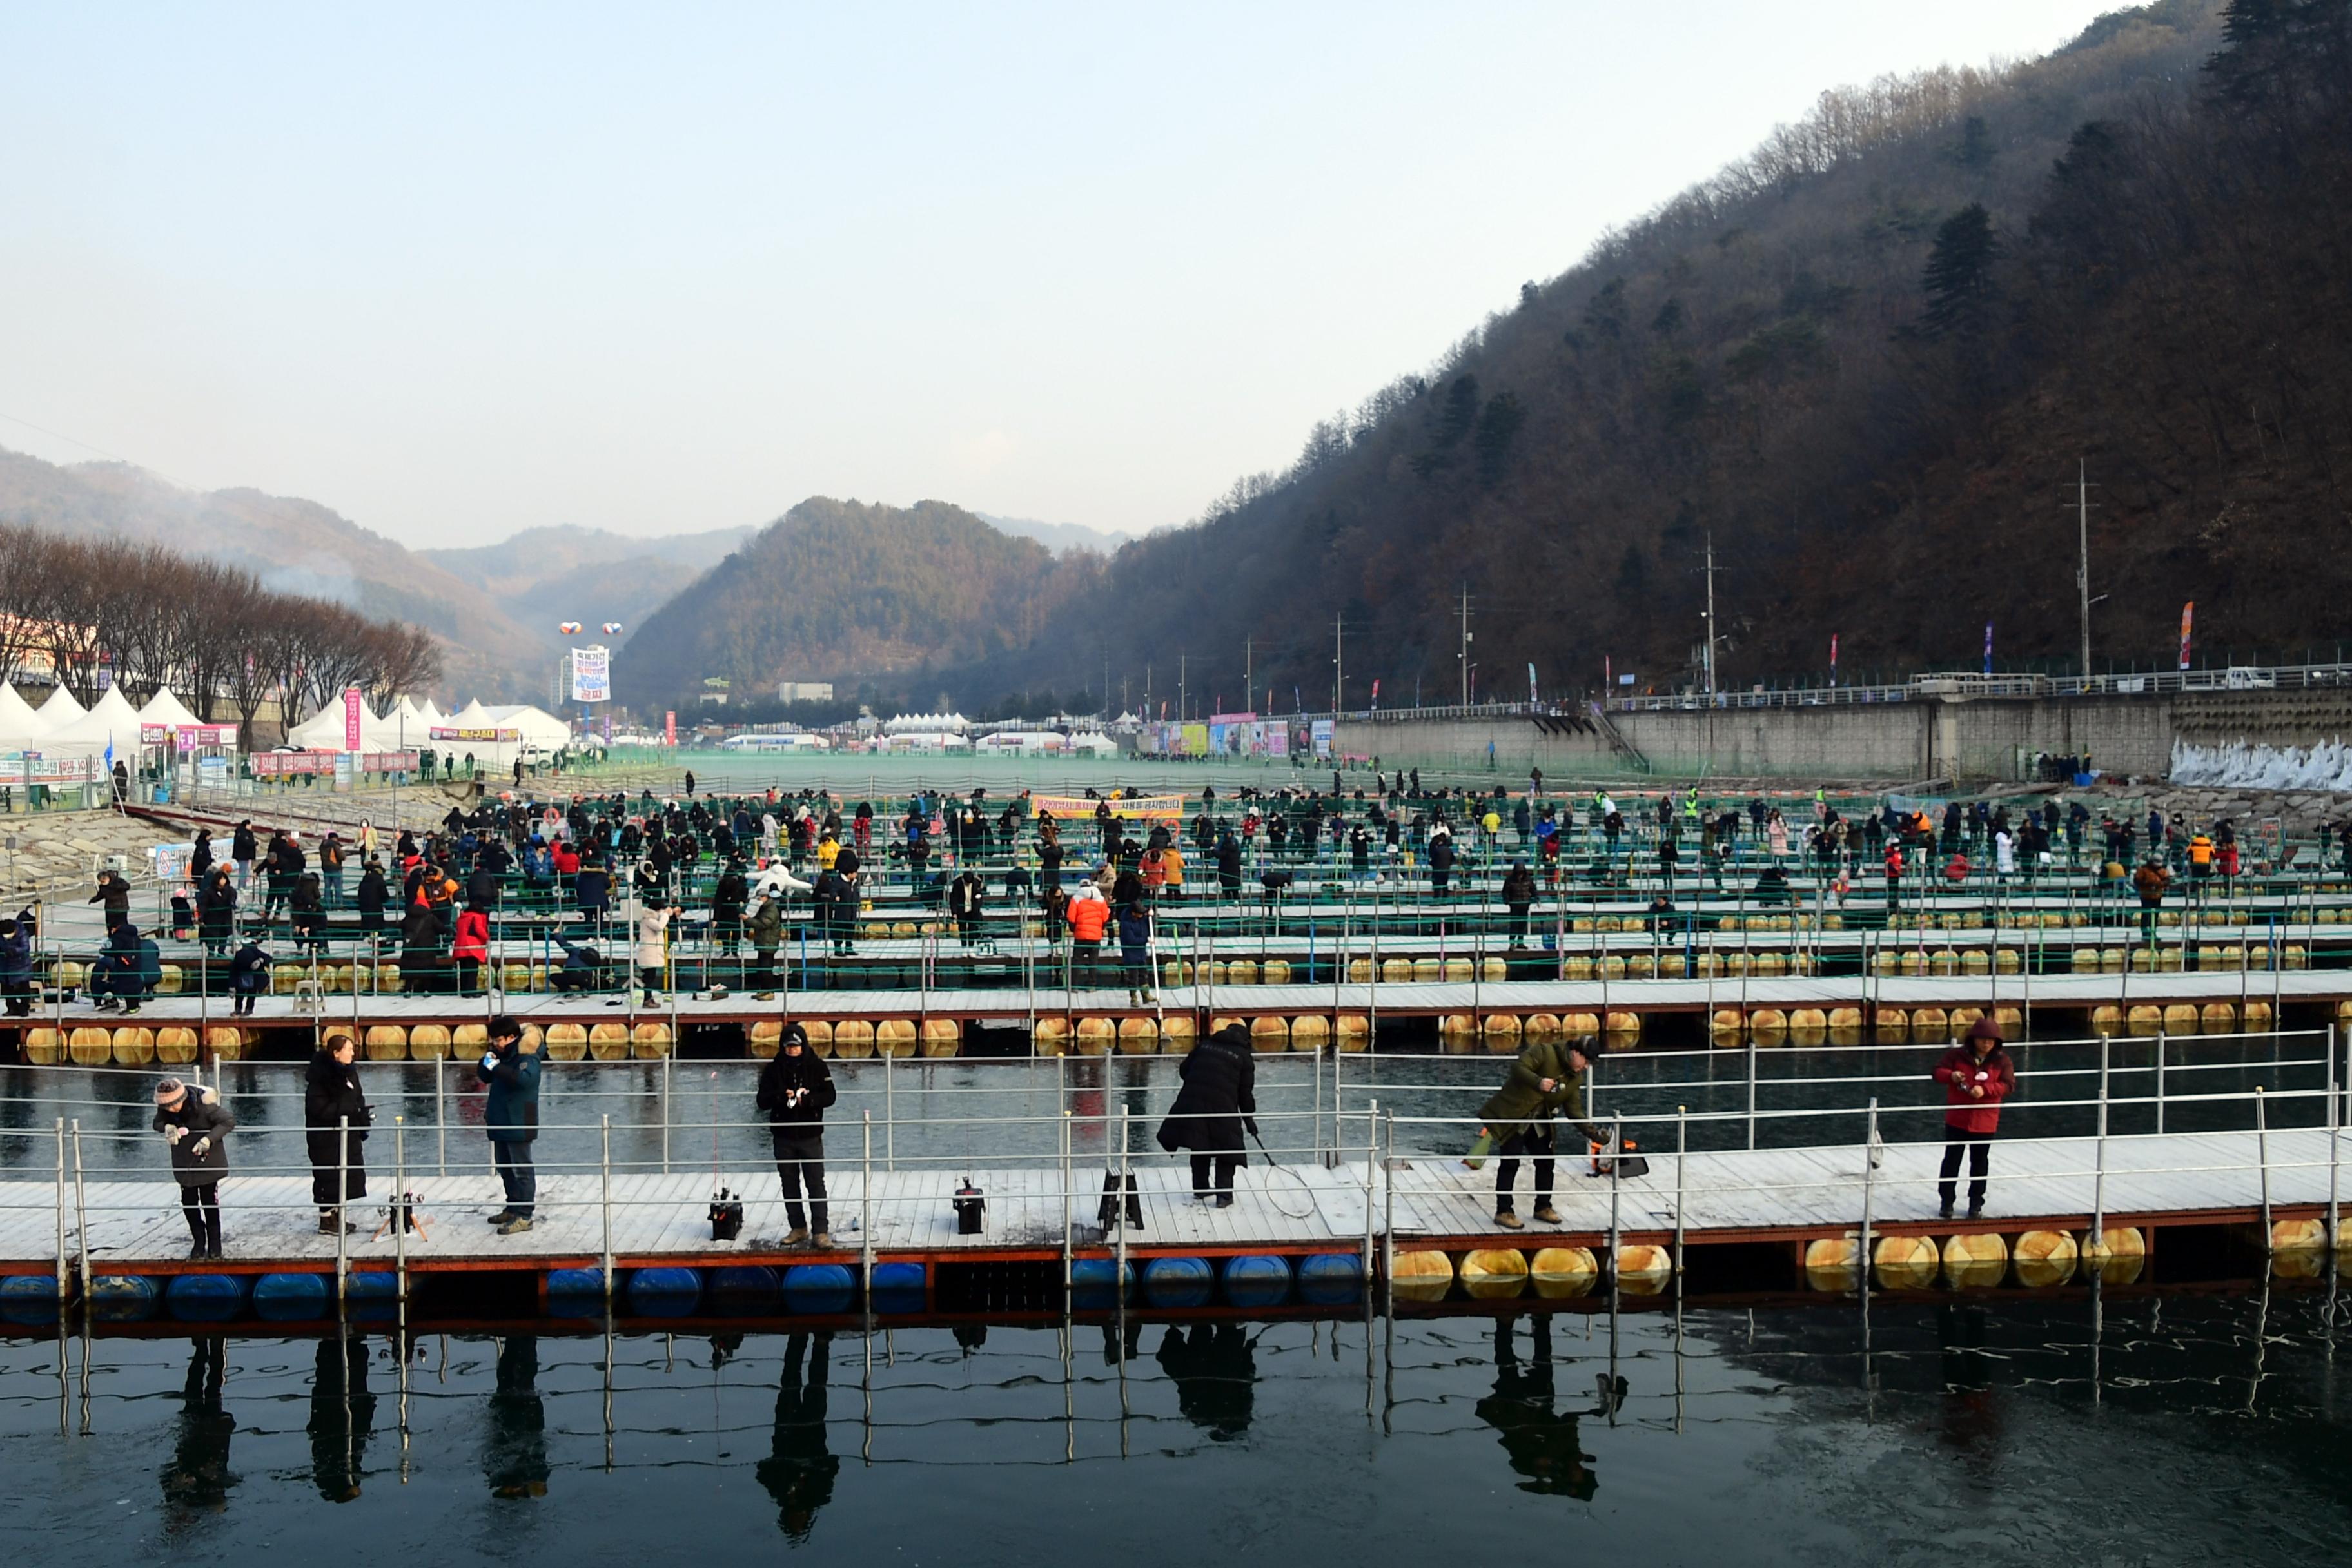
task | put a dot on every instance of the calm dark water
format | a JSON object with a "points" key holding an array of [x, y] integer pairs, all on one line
{"points": [[2187, 1428]]}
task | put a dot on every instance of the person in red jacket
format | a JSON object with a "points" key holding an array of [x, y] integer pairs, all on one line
{"points": [[1977, 1076], [471, 948]]}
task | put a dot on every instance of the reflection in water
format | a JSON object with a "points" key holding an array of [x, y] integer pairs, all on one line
{"points": [[1215, 1374], [515, 1456], [1542, 1443], [198, 1478], [342, 1416], [1971, 1422], [800, 1469]]}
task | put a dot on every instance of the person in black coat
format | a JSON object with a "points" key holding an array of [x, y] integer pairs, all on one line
{"points": [[1216, 1105], [372, 896], [794, 1090], [331, 1096], [195, 1125]]}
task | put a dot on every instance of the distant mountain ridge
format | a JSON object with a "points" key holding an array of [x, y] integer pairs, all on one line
{"points": [[842, 590], [1058, 536]]}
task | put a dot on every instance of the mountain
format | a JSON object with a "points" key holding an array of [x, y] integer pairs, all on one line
{"points": [[1863, 365], [853, 592], [545, 576], [1058, 536], [291, 543]]}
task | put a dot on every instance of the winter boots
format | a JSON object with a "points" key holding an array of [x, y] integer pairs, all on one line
{"points": [[1107, 1214], [332, 1223]]}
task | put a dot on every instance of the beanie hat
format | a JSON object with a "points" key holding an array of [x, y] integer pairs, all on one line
{"points": [[170, 1089], [793, 1034]]}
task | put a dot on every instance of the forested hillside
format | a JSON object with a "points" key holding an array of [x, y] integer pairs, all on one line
{"points": [[1865, 361], [838, 590]]}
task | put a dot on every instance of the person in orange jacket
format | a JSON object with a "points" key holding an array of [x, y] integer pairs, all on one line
{"points": [[1089, 919], [1977, 1076]]}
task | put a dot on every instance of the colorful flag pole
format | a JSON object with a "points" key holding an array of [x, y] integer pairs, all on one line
{"points": [[2187, 618], [1988, 657]]}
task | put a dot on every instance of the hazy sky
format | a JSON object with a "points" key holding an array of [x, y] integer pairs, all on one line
{"points": [[459, 271]]}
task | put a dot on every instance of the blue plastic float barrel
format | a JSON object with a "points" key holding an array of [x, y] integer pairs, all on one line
{"points": [[288, 1297], [1330, 1278], [665, 1292], [740, 1288], [205, 1297], [375, 1285], [30, 1299], [896, 1287], [1258, 1280], [1178, 1281], [819, 1288]]}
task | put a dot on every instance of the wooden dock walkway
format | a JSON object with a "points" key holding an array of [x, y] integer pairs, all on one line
{"points": [[1427, 1204]]}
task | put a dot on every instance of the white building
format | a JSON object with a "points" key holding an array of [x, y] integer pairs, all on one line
{"points": [[805, 691]]}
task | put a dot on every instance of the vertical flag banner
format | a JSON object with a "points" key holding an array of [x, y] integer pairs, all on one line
{"points": [[350, 718], [1988, 659], [1376, 694], [670, 727], [1531, 684], [1833, 636], [2188, 617], [1607, 671]]}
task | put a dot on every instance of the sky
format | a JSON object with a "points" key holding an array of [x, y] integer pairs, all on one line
{"points": [[456, 271]]}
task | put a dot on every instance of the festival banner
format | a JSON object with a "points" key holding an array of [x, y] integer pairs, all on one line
{"points": [[1195, 740], [188, 737], [1833, 636], [2188, 617], [1987, 654], [669, 726], [1532, 699], [1320, 732], [494, 737], [351, 712], [592, 675], [1062, 808]]}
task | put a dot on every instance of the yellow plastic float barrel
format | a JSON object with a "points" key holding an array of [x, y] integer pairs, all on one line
{"points": [[569, 1042], [1423, 1274], [1096, 1037], [608, 1042], [2043, 1257], [1906, 1262], [895, 1036], [2118, 1252], [175, 1044], [942, 1037], [1643, 1267], [1562, 1272], [1137, 1037], [1309, 1032], [428, 1043], [134, 1046], [648, 1042], [1269, 1033], [1975, 1260], [1495, 1273]]}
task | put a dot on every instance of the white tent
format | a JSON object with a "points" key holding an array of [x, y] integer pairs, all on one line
{"points": [[537, 729], [21, 724], [60, 711], [403, 725], [165, 709], [323, 730], [432, 715], [110, 722]]}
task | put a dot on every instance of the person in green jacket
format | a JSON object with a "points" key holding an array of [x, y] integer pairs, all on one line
{"points": [[1546, 1082]]}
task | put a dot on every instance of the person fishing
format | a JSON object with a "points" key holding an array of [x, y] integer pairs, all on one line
{"points": [[1977, 1075], [794, 1090], [335, 1120], [1217, 1104], [1545, 1083], [196, 1125]]}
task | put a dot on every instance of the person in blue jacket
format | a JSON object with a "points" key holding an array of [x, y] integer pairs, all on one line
{"points": [[510, 1116]]}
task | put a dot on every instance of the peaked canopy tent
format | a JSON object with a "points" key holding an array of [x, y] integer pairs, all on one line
{"points": [[165, 709], [60, 711], [111, 722], [496, 735], [21, 724]]}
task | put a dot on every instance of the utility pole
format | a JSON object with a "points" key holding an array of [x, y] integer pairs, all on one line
{"points": [[1710, 616], [1338, 662], [1181, 715], [2082, 559], [1463, 658], [1247, 674]]}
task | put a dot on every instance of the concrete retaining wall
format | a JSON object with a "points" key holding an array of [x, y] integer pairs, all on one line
{"points": [[1986, 738]]}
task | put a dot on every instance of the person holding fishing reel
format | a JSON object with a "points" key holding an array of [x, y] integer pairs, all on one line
{"points": [[794, 1088], [1216, 1105], [1545, 1083]]}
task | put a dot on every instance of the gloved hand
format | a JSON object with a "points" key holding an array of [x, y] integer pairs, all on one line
{"points": [[1250, 1122], [174, 1133], [204, 1146], [489, 1060]]}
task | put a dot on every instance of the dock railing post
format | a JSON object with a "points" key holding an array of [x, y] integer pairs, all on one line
{"points": [[440, 1122], [1869, 1191], [1371, 1173], [666, 1056], [61, 1214], [889, 1115], [1616, 1160], [1388, 1217], [400, 1192], [1682, 1147], [604, 1178], [2099, 1176], [343, 1193], [2263, 1157], [1751, 1088], [81, 1216], [1119, 1210], [2160, 1054], [1064, 1120], [2335, 1124], [865, 1205]]}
